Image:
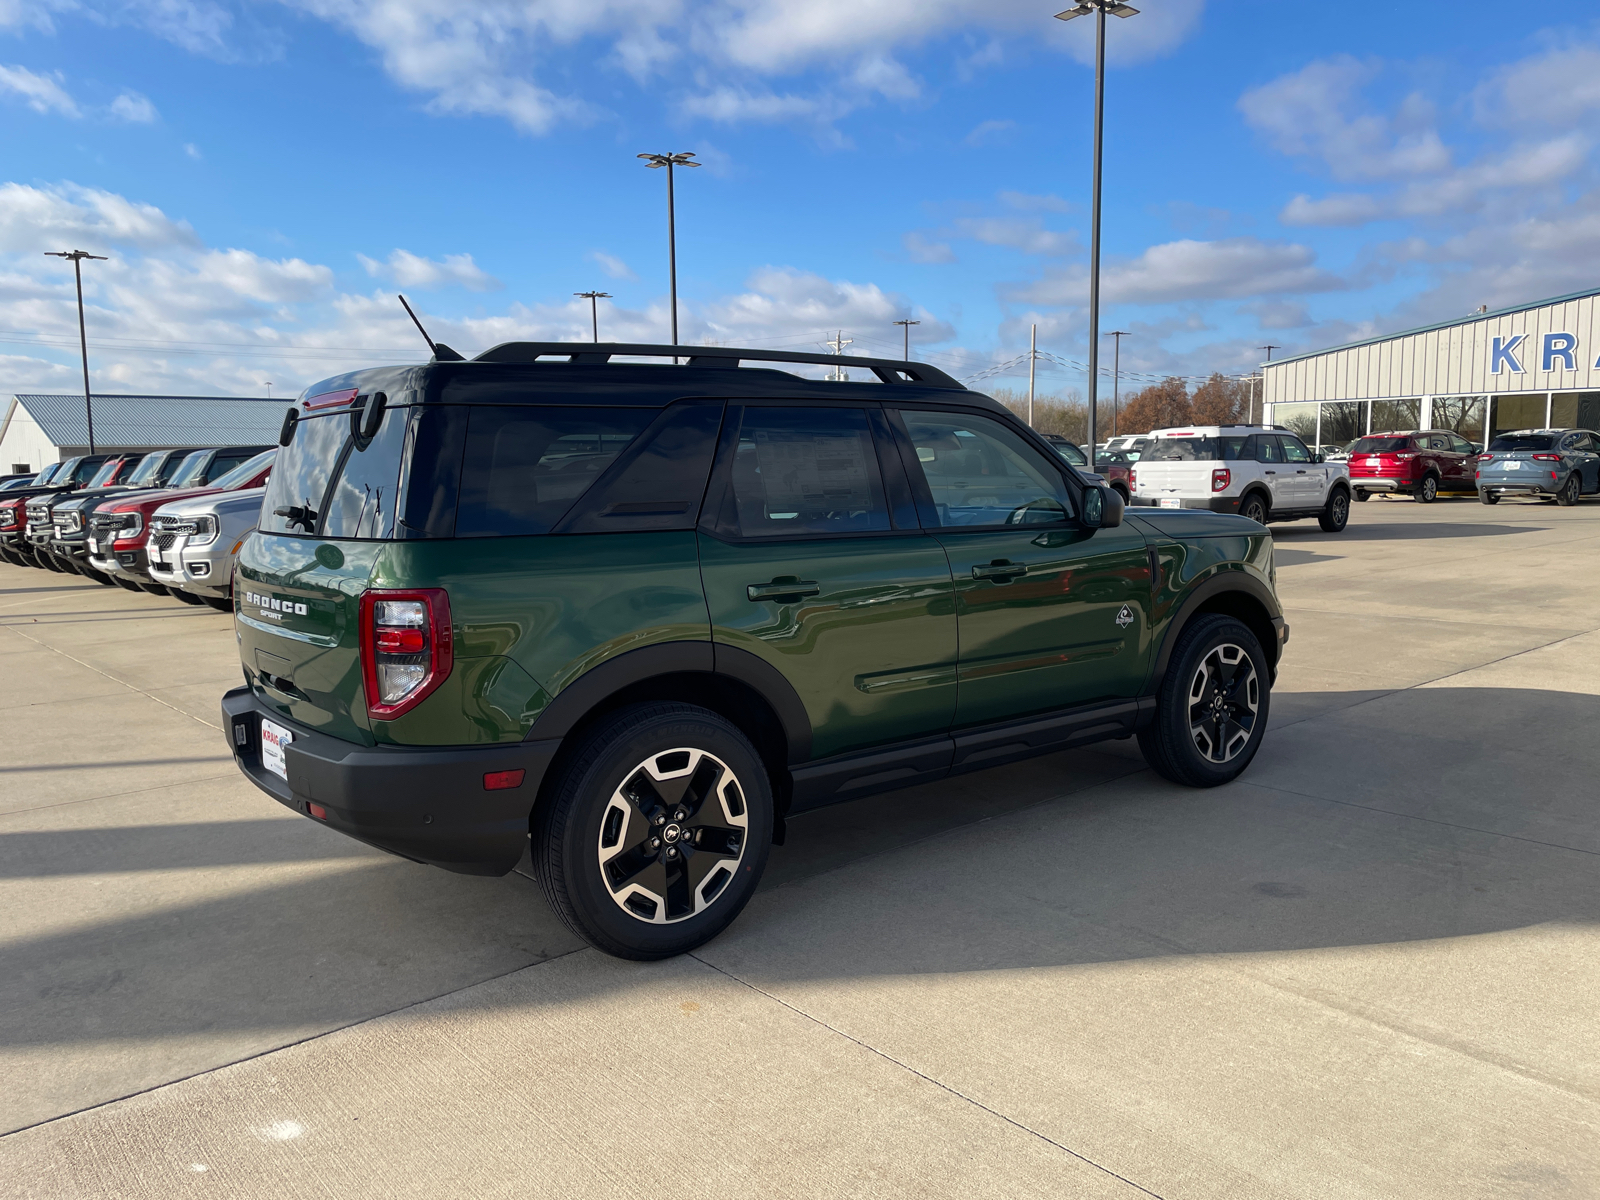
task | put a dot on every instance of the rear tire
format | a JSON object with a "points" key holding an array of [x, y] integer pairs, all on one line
{"points": [[1336, 513], [1570, 491], [1361, 496], [1427, 491], [1211, 709], [1254, 507], [1485, 496], [646, 867]]}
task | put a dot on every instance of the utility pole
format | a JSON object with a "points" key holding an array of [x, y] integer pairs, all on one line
{"points": [[1116, 376], [1033, 358], [1269, 350], [269, 389], [837, 345], [669, 161], [77, 257], [907, 326], [594, 313], [1099, 8]]}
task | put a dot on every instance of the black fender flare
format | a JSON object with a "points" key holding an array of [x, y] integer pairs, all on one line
{"points": [[1260, 489], [596, 685], [1219, 584]]}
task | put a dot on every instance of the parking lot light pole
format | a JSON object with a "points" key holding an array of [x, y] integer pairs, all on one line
{"points": [[1099, 8], [77, 257], [907, 326], [1269, 350], [654, 161], [594, 313], [1116, 375]]}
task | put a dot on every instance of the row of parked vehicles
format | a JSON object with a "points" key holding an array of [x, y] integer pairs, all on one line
{"points": [[166, 521]]}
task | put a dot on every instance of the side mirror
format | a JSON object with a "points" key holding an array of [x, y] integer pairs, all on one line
{"points": [[1102, 507]]}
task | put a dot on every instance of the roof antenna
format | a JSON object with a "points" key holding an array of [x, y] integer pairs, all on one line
{"points": [[441, 352]]}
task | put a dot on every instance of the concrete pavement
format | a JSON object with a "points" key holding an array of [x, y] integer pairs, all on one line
{"points": [[1365, 969]]}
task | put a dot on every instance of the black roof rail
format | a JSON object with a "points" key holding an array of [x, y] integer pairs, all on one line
{"points": [[889, 370]]}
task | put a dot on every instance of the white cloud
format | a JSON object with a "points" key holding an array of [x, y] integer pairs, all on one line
{"points": [[34, 216], [42, 93], [1231, 268], [1027, 234], [1559, 87], [134, 108], [612, 265], [413, 271]]}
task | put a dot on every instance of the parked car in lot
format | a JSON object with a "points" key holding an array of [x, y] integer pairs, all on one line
{"points": [[1131, 444], [1264, 473], [641, 613], [1419, 463], [119, 530], [1551, 464], [71, 514], [1109, 466], [41, 509], [193, 542], [62, 477]]}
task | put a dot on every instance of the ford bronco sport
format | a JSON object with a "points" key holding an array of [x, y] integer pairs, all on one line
{"points": [[642, 613]]}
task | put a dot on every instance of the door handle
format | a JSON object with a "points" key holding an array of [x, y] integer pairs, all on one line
{"points": [[1269, 472], [797, 589], [999, 570], [1299, 472]]}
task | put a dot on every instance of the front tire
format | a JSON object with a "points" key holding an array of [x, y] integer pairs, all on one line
{"points": [[657, 832], [1254, 507], [1570, 491], [1335, 513], [1211, 709], [1427, 491]]}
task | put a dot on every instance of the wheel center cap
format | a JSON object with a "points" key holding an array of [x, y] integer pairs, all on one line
{"points": [[671, 834]]}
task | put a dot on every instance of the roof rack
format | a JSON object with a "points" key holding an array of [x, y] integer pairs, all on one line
{"points": [[889, 370]]}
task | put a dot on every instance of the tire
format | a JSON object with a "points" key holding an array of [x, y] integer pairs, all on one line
{"points": [[99, 577], [186, 597], [1485, 496], [606, 816], [1123, 492], [1335, 513], [1360, 495], [220, 603], [126, 583], [1427, 491], [1570, 491], [1254, 507], [1213, 648], [155, 589]]}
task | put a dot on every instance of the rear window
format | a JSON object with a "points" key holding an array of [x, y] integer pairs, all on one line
{"points": [[527, 466], [328, 483], [1514, 442], [1381, 445], [1195, 449]]}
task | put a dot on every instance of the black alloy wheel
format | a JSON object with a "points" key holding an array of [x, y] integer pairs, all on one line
{"points": [[1335, 514], [1485, 496], [1211, 708], [1570, 491], [1254, 507], [1428, 490], [657, 832]]}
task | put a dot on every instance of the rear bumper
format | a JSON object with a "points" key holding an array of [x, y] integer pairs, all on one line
{"points": [[1218, 504], [1375, 483], [427, 804], [1522, 486]]}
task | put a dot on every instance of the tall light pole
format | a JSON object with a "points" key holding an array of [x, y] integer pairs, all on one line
{"points": [[1083, 9], [1269, 350], [653, 161], [77, 257], [907, 326], [1116, 375], [594, 313]]}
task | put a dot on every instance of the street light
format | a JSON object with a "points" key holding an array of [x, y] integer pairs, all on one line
{"points": [[1269, 350], [1099, 8], [907, 326], [594, 313], [1116, 375], [77, 257], [654, 161]]}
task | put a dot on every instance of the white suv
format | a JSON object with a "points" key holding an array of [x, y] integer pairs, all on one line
{"points": [[1258, 471]]}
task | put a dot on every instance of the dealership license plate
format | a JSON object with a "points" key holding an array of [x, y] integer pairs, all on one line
{"points": [[155, 556], [1169, 502], [1511, 466], [94, 546], [274, 738]]}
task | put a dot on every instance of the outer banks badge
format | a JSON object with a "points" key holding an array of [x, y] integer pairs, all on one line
{"points": [[1124, 617]]}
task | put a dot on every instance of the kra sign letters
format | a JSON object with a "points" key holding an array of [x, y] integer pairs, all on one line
{"points": [[1505, 353]]}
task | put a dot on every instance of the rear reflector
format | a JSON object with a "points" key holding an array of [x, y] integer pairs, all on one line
{"points": [[499, 781], [1220, 478], [317, 811]]}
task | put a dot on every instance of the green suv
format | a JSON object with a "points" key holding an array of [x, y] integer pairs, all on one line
{"points": [[641, 612]]}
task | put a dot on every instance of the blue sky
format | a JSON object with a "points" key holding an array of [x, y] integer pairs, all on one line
{"points": [[264, 177]]}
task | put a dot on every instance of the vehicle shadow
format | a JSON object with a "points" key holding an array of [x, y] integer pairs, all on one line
{"points": [[1405, 531], [1345, 832]]}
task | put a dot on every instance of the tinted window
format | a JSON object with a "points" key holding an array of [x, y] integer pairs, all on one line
{"points": [[525, 466], [981, 473], [245, 471], [106, 473], [149, 469], [1380, 445], [1585, 441], [1460, 444], [1294, 450], [1183, 449], [1512, 443], [362, 503], [191, 471], [659, 481], [807, 470], [1076, 457], [300, 475], [1570, 442], [1267, 449]]}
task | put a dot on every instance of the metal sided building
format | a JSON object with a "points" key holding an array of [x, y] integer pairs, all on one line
{"points": [[39, 429], [1535, 366]]}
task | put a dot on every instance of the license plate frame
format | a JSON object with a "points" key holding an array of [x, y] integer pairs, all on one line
{"points": [[1511, 466], [94, 546], [274, 738], [1170, 502]]}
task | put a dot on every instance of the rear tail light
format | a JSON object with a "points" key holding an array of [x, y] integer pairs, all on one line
{"points": [[1485, 458], [1221, 477], [406, 648], [1547, 458], [1133, 477], [1404, 455]]}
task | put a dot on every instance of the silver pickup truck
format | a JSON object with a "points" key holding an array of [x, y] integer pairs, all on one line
{"points": [[193, 544]]}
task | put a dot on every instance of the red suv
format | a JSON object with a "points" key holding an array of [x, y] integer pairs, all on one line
{"points": [[1420, 463]]}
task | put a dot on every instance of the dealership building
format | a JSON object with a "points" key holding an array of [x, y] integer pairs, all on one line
{"points": [[1530, 367], [36, 430]]}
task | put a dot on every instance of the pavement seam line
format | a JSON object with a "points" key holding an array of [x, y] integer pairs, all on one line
{"points": [[123, 682], [234, 1062], [904, 1066]]}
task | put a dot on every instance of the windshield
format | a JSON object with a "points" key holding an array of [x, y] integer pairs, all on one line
{"points": [[1381, 445], [45, 473], [244, 472], [106, 473], [191, 470], [1511, 443], [148, 469]]}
